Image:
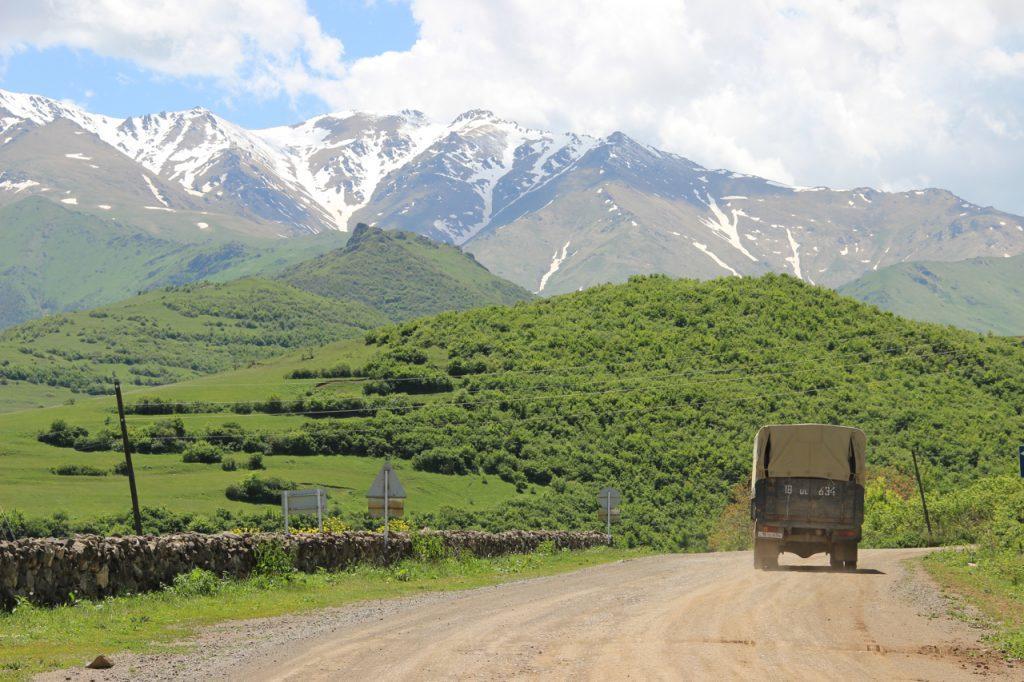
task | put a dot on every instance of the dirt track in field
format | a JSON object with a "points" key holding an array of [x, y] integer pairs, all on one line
{"points": [[707, 616]]}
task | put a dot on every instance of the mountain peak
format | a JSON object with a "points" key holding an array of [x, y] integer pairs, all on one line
{"points": [[475, 115]]}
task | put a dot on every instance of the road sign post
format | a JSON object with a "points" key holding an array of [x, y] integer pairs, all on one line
{"points": [[386, 498], [304, 501], [1020, 459], [608, 501]]}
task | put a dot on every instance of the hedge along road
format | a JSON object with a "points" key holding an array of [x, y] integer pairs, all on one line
{"points": [[664, 617]]}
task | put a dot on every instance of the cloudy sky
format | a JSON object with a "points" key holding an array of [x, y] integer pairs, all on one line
{"points": [[894, 94]]}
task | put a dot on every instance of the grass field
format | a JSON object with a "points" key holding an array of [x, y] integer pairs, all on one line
{"points": [[36, 639], [165, 481]]}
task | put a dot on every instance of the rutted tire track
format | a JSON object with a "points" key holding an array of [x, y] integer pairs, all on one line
{"points": [[666, 617]]}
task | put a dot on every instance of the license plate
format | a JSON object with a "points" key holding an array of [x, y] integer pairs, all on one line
{"points": [[775, 535]]}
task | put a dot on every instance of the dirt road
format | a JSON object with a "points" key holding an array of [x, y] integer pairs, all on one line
{"points": [[707, 616]]}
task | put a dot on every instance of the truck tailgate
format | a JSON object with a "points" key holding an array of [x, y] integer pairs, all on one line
{"points": [[811, 502]]}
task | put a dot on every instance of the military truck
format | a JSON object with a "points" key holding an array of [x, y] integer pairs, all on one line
{"points": [[807, 493]]}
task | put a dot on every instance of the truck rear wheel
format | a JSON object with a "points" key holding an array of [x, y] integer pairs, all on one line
{"points": [[766, 555]]}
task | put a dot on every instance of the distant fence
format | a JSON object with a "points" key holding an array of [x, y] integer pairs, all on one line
{"points": [[48, 571]]}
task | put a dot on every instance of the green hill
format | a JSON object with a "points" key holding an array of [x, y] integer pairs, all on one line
{"points": [[655, 386], [984, 294], [56, 259], [404, 275], [174, 334]]}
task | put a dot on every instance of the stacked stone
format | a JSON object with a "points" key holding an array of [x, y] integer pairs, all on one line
{"points": [[53, 571]]}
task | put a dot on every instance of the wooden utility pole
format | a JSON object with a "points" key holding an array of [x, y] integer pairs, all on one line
{"points": [[128, 458], [920, 489]]}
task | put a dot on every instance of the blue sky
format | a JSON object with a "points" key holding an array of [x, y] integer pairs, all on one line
{"points": [[119, 87]]}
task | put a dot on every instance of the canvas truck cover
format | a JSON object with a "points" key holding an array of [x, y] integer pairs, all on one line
{"points": [[809, 450]]}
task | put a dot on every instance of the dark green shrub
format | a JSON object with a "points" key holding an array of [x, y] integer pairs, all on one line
{"points": [[258, 490], [101, 441], [255, 462], [229, 464], [61, 434], [202, 453], [446, 460], [77, 470]]}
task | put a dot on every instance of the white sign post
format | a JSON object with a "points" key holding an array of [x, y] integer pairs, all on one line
{"points": [[304, 501], [386, 497], [609, 500]]}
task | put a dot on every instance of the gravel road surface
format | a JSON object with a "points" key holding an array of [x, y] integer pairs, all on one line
{"points": [[697, 616]]}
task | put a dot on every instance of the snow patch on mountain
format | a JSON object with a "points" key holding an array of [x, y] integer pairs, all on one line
{"points": [[704, 248], [726, 228], [155, 191], [794, 260], [556, 262]]}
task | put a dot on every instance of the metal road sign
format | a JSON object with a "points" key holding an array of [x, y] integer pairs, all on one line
{"points": [[299, 501], [1020, 456], [394, 487], [609, 497]]}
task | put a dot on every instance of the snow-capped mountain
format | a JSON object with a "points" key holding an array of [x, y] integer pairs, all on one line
{"points": [[551, 211]]}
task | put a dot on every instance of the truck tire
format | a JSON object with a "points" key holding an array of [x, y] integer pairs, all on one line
{"points": [[766, 555]]}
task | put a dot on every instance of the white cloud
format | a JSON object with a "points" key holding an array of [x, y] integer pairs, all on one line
{"points": [[248, 46], [846, 94], [890, 93]]}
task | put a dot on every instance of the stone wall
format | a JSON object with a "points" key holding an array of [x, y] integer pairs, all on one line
{"points": [[48, 571]]}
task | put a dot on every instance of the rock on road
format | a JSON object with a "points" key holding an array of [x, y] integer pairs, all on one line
{"points": [[704, 616]]}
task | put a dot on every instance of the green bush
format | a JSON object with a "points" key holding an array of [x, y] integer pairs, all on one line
{"points": [[201, 452], [101, 441], [274, 564], [255, 462], [61, 434], [229, 464], [77, 470], [258, 490], [446, 460], [428, 547], [196, 583]]}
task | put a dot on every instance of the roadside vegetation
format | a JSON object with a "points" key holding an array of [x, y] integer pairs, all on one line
{"points": [[990, 575], [35, 639]]}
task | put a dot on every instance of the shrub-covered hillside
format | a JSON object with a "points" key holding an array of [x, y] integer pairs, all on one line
{"points": [[657, 386], [173, 334], [403, 275]]}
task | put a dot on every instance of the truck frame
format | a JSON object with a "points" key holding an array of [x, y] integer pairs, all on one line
{"points": [[807, 493]]}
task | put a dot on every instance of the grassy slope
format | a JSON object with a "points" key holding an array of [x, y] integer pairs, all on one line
{"points": [[164, 481], [54, 258], [169, 335], [984, 294], [403, 275], [656, 386], [32, 640]]}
